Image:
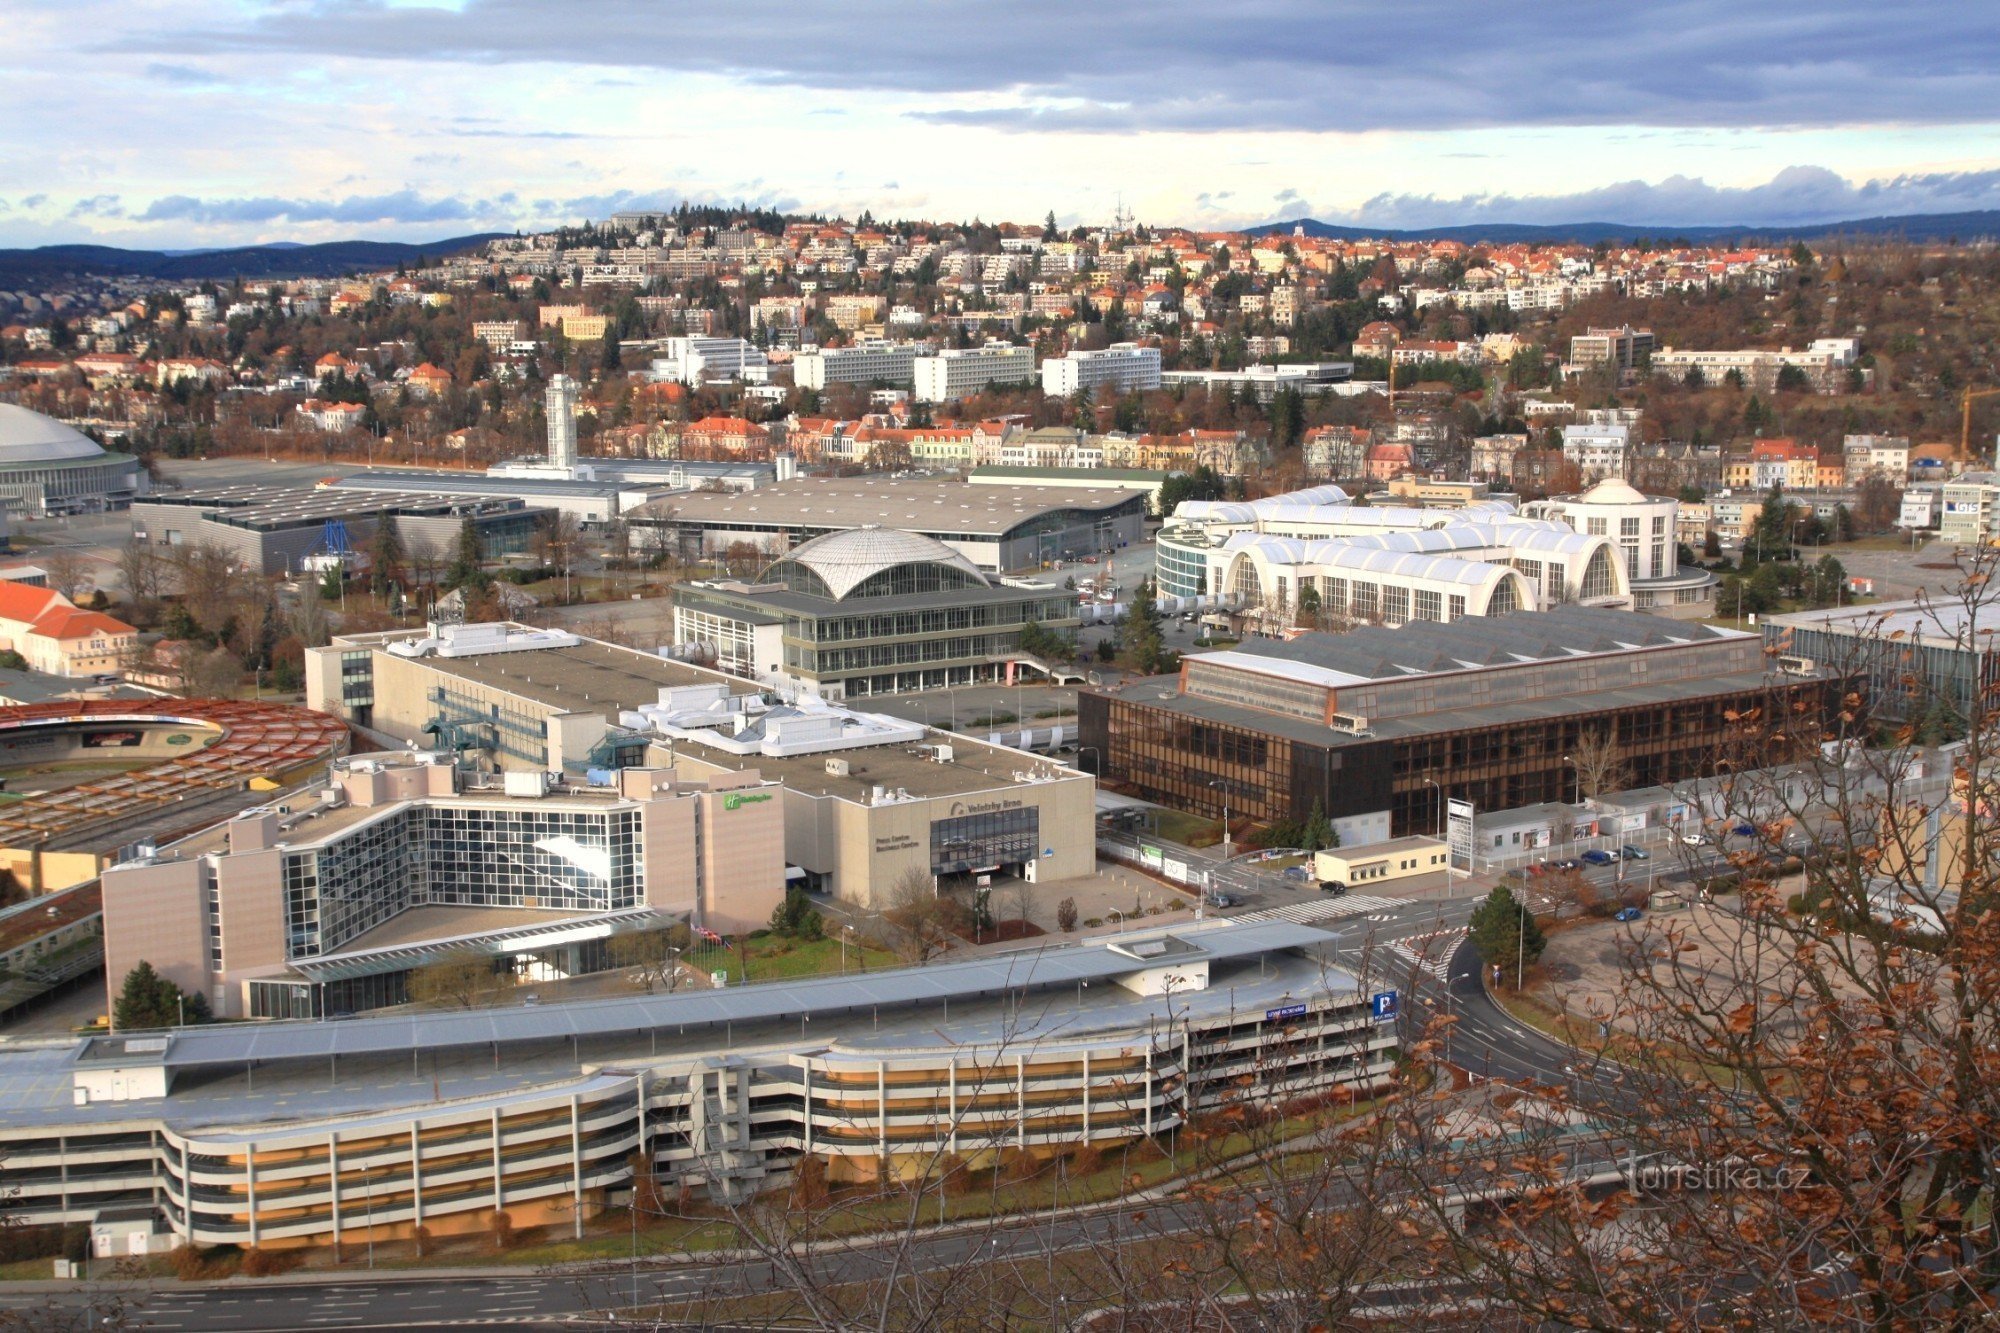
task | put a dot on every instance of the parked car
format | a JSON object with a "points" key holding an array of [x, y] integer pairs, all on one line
{"points": [[1296, 872], [1693, 839], [1596, 856], [1744, 831], [1628, 914], [1566, 863], [1334, 887], [1631, 853], [1222, 899]]}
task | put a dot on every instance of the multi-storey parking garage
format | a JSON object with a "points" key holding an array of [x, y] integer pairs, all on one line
{"points": [[307, 1133]]}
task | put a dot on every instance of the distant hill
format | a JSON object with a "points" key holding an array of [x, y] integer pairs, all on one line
{"points": [[1915, 227], [281, 259]]}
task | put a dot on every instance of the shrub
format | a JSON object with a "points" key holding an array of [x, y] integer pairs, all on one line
{"points": [[267, 1263], [1066, 915], [809, 1188], [502, 1227], [190, 1264], [426, 1242], [1092, 922]]}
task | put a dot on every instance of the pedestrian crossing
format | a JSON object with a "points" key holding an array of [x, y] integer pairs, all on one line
{"points": [[1431, 952], [1328, 909]]}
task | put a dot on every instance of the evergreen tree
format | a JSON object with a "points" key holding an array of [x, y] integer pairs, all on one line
{"points": [[1140, 635], [385, 555], [149, 1000], [1505, 933], [465, 557]]}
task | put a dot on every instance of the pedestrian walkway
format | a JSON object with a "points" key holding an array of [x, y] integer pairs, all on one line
{"points": [[1325, 909], [1431, 952]]}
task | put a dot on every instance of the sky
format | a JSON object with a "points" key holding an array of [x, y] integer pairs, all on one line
{"points": [[185, 123]]}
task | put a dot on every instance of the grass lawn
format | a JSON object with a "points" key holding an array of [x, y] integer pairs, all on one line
{"points": [[1189, 830], [773, 956]]}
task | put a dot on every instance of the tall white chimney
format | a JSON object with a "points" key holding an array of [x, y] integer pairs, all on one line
{"points": [[561, 408]]}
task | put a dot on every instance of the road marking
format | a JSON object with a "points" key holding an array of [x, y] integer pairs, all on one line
{"points": [[1431, 952], [1325, 910]]}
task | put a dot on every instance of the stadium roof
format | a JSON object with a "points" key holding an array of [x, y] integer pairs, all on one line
{"points": [[30, 437]]}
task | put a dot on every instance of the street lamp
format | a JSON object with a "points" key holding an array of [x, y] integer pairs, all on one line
{"points": [[1440, 802], [1218, 782], [1576, 781], [1121, 918], [1098, 772]]}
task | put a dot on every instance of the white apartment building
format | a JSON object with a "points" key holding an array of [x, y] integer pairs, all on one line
{"points": [[960, 372], [869, 361], [1825, 363], [1597, 450], [1119, 368], [1877, 456], [1922, 507], [691, 360]]}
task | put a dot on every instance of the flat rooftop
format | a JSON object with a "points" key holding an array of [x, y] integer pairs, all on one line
{"points": [[1163, 692], [266, 508], [1943, 622], [912, 504], [589, 677], [433, 484], [975, 767], [388, 1065]]}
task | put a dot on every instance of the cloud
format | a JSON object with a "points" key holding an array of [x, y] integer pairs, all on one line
{"points": [[186, 75], [34, 200], [401, 206], [98, 206], [1795, 195], [1123, 65]]}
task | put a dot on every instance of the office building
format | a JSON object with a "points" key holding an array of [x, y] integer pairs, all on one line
{"points": [[1118, 369], [869, 611], [521, 700], [327, 904], [1377, 727], [960, 372], [1305, 377], [695, 360], [1932, 657]]}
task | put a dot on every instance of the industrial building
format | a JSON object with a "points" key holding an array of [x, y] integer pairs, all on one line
{"points": [[869, 611], [997, 528], [325, 904], [48, 468], [1934, 657], [275, 529], [308, 1133], [1378, 727]]}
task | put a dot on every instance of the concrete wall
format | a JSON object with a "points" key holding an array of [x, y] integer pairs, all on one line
{"points": [[250, 889], [743, 878], [157, 914]]}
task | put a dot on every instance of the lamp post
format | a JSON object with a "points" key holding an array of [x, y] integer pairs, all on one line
{"points": [[1576, 781], [1433, 782], [1121, 918], [1224, 786], [1099, 771]]}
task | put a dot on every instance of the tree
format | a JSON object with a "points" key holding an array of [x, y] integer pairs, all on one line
{"points": [[1505, 933], [1066, 915], [214, 674], [1140, 635], [465, 566], [796, 917], [385, 557], [463, 979], [649, 957], [143, 572], [68, 574], [149, 1000], [1204, 483], [925, 920], [1600, 763], [1038, 640]]}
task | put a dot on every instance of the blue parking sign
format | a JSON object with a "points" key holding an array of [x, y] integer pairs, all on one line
{"points": [[1384, 1004]]}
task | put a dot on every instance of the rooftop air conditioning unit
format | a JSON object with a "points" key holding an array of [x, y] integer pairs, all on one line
{"points": [[1797, 666], [837, 768]]}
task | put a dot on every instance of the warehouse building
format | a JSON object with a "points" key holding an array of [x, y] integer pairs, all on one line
{"points": [[869, 611], [273, 529], [997, 528], [1920, 658], [312, 1133], [1378, 727], [326, 904]]}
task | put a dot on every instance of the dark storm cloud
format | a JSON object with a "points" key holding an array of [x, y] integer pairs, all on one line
{"points": [[1262, 64]]}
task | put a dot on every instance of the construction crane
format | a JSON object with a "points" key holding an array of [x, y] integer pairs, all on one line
{"points": [[1965, 426]]}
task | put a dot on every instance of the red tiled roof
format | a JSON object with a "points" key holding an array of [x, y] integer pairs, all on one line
{"points": [[64, 623]]}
